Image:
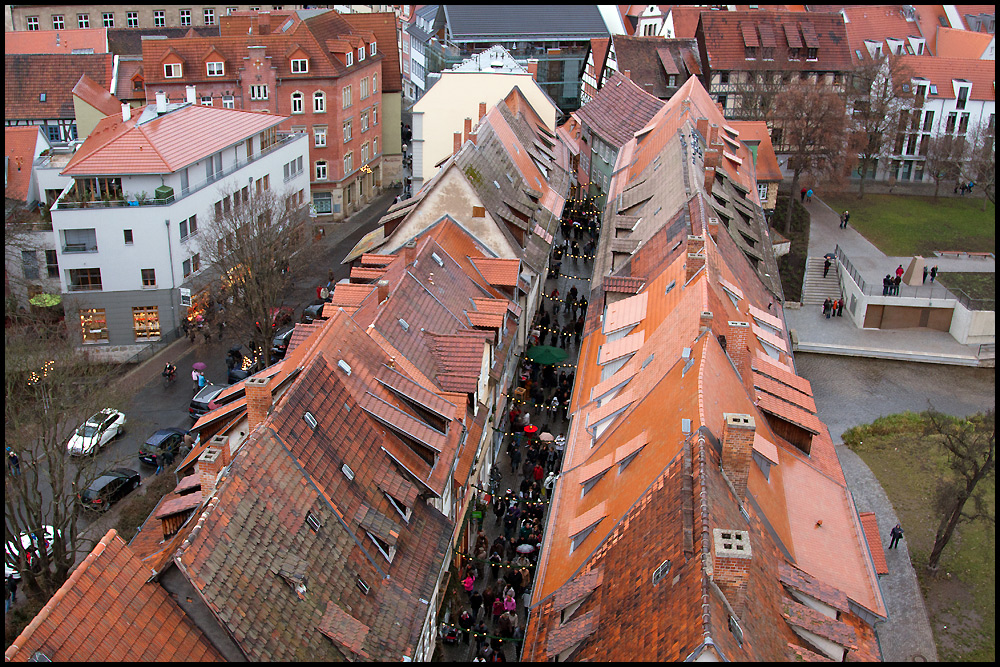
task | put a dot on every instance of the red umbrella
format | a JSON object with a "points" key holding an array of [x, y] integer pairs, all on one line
{"points": [[530, 429]]}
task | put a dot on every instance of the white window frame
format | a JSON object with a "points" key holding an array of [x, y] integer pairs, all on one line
{"points": [[207, 101], [58, 22], [168, 68], [374, 83], [348, 163], [220, 70], [185, 18], [259, 91], [346, 92], [319, 136], [374, 146], [228, 102], [321, 171], [83, 21], [348, 129], [108, 19], [300, 65], [364, 153], [364, 121], [363, 88], [131, 19], [319, 102], [159, 18], [350, 58], [209, 16], [375, 115], [361, 54], [373, 48], [32, 23], [298, 102]]}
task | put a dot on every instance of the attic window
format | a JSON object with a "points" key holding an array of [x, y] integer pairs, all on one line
{"points": [[362, 586], [41, 97], [673, 283], [389, 552], [313, 522], [404, 324], [172, 71], [403, 510], [660, 573], [734, 627], [313, 424], [437, 258], [215, 69], [590, 483], [496, 184], [648, 361], [685, 426], [300, 65], [348, 473], [344, 366], [933, 89], [580, 537]]}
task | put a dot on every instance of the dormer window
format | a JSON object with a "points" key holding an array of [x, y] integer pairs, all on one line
{"points": [[172, 71], [361, 54], [215, 69], [813, 54], [387, 550], [372, 48], [300, 65], [350, 58]]}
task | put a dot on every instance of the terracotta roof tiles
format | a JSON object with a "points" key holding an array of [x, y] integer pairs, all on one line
{"points": [[502, 272], [869, 521], [784, 392], [383, 27], [55, 41], [30, 78], [942, 71], [619, 110], [813, 621], [19, 145], [624, 284], [964, 44], [93, 94], [789, 412]]}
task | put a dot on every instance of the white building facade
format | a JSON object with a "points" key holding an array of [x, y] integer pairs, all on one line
{"points": [[129, 260]]}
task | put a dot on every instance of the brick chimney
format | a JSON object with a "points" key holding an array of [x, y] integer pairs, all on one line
{"points": [[705, 322], [258, 400], [709, 179], [731, 565], [533, 68], [208, 468], [458, 143], [738, 349], [627, 73], [695, 255], [410, 252], [383, 290], [702, 126], [737, 446], [713, 227], [466, 130], [482, 110], [221, 442]]}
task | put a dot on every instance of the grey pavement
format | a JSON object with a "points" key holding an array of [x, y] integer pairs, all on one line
{"points": [[851, 391], [840, 335]]}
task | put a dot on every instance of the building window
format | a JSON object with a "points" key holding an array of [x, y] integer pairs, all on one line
{"points": [[185, 17], [228, 102], [323, 202], [189, 227], [928, 121], [258, 92], [348, 163], [52, 263], [364, 121], [319, 102], [963, 123], [79, 240], [364, 88], [215, 68], [963, 95], [94, 323], [949, 127], [911, 144], [812, 54], [172, 70], [231, 10], [373, 48], [29, 265], [206, 101], [192, 265], [300, 65], [762, 192], [32, 23], [361, 54], [58, 22], [83, 280], [129, 240], [146, 322], [321, 171], [347, 130], [148, 277], [374, 146], [347, 96], [350, 58], [375, 115], [297, 103], [364, 152], [132, 19], [159, 18], [209, 17], [319, 136], [83, 20], [109, 19]]}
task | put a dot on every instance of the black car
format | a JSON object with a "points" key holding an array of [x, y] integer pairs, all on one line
{"points": [[312, 313], [165, 440], [109, 487], [241, 364], [280, 344], [203, 400]]}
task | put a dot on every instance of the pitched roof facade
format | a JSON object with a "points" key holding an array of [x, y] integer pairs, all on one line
{"points": [[40, 86], [659, 66], [620, 109]]}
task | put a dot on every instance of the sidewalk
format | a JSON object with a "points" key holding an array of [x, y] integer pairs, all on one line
{"points": [[839, 336]]}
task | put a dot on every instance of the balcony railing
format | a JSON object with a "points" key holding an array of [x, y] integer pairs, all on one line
{"points": [[284, 138]]}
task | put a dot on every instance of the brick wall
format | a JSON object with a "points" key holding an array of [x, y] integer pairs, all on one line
{"points": [[258, 394], [737, 447]]}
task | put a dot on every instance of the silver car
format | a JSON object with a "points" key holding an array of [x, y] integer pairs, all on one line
{"points": [[96, 432]]}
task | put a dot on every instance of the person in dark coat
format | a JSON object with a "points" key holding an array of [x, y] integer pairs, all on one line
{"points": [[827, 306], [826, 266], [896, 534], [886, 284], [934, 271], [840, 308], [476, 601]]}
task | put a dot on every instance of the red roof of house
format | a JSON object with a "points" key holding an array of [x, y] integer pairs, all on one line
{"points": [[27, 78], [953, 43], [55, 41], [755, 133], [108, 612], [19, 146], [943, 71], [93, 94], [383, 26], [164, 144], [876, 23], [498, 271], [619, 110], [869, 521], [724, 39], [685, 20]]}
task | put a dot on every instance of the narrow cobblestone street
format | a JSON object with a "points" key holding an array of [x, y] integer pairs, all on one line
{"points": [[520, 487]]}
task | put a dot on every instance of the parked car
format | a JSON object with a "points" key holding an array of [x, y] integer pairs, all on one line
{"points": [[280, 344], [242, 364], [30, 544], [109, 487], [165, 440], [280, 317], [96, 432], [312, 313], [203, 401]]}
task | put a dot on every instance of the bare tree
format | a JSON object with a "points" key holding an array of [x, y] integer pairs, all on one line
{"points": [[49, 390], [256, 242], [944, 156], [759, 91], [970, 445], [879, 103], [981, 166], [813, 134]]}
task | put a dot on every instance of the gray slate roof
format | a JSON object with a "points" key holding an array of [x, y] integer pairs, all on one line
{"points": [[473, 23]]}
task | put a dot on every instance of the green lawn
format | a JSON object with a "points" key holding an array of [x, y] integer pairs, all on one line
{"points": [[961, 601], [904, 225], [982, 286]]}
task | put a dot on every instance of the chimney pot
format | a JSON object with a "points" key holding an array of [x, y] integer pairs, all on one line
{"points": [[466, 130], [126, 112], [191, 94], [209, 466], [731, 565], [161, 102], [458, 143], [221, 443], [738, 349], [482, 110], [258, 394], [705, 322], [737, 447]]}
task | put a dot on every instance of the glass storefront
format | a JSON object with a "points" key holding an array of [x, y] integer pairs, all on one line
{"points": [[146, 323], [94, 323]]}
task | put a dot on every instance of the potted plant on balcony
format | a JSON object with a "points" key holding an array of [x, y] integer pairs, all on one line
{"points": [[142, 198]]}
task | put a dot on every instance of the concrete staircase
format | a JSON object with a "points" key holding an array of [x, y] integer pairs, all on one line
{"points": [[815, 288]]}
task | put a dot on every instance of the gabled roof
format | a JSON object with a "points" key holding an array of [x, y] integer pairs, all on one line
{"points": [[724, 39], [619, 110], [129, 41], [964, 44], [91, 92], [56, 41], [107, 612], [650, 62], [166, 143], [685, 20], [876, 23], [942, 72], [20, 147], [483, 23], [383, 26], [29, 77]]}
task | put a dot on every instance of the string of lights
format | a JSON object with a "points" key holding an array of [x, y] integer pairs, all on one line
{"points": [[482, 634]]}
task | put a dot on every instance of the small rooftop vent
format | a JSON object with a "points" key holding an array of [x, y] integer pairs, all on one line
{"points": [[660, 573], [403, 323], [344, 366], [313, 424], [437, 258], [346, 469]]}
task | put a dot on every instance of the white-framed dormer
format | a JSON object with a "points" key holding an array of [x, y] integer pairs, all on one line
{"points": [[300, 65]]}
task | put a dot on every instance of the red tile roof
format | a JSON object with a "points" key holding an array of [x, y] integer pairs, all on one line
{"points": [[619, 110], [502, 272], [623, 284], [164, 144], [876, 22], [755, 133], [870, 524], [685, 20], [107, 612], [55, 41], [19, 147], [383, 26], [28, 77], [725, 42], [953, 43], [942, 71], [93, 94]]}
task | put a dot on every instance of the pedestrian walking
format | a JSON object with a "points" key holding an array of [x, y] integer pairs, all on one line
{"points": [[194, 378], [12, 590], [802, 194], [827, 305], [934, 271], [159, 463], [895, 534], [840, 308], [809, 195], [14, 462], [554, 407], [202, 381], [469, 583], [549, 483], [826, 266], [497, 610], [847, 218]]}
